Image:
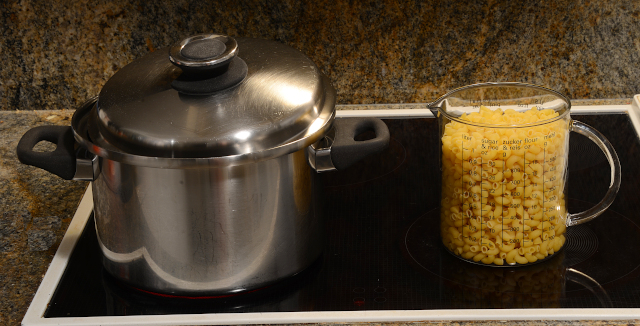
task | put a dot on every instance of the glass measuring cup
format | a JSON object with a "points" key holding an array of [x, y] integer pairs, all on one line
{"points": [[504, 158]]}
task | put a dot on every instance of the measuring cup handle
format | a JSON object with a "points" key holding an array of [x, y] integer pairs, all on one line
{"points": [[614, 186]]}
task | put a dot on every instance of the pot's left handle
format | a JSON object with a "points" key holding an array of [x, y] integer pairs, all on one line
{"points": [[63, 161]]}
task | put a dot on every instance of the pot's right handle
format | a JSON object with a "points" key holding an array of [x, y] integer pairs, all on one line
{"points": [[346, 151], [339, 151], [63, 161]]}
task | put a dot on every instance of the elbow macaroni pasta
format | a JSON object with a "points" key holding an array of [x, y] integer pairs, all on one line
{"points": [[503, 187]]}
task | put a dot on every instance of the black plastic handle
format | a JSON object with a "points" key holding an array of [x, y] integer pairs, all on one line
{"points": [[61, 162], [345, 150]]}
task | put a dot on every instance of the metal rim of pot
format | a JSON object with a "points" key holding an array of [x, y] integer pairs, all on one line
{"points": [[311, 136]]}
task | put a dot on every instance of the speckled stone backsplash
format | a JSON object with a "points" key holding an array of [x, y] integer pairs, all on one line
{"points": [[56, 54]]}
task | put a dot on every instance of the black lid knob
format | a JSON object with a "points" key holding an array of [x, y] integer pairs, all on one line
{"points": [[203, 52], [203, 49], [209, 64]]}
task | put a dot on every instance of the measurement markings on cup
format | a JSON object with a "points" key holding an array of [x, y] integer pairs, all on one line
{"points": [[462, 191], [544, 160], [482, 243], [468, 215]]}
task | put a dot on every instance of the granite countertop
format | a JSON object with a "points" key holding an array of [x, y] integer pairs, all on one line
{"points": [[373, 51], [37, 208]]}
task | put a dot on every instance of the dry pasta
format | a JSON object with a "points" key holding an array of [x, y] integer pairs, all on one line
{"points": [[503, 187]]}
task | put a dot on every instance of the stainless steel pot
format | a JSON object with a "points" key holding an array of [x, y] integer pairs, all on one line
{"points": [[204, 164]]}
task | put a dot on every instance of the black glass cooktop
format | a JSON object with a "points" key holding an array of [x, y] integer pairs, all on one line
{"points": [[383, 253]]}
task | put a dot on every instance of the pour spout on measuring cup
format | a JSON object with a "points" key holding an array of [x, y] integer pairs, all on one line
{"points": [[436, 106], [434, 111]]}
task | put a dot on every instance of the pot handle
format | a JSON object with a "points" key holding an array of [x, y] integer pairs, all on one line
{"points": [[61, 161], [346, 151], [342, 150]]}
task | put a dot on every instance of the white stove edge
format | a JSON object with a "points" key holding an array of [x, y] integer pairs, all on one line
{"points": [[35, 313]]}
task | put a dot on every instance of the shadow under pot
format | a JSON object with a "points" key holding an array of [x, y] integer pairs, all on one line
{"points": [[204, 159]]}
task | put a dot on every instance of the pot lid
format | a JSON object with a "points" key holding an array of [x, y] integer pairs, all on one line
{"points": [[213, 96]]}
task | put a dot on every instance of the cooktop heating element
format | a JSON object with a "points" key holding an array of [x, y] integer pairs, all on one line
{"points": [[383, 259]]}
